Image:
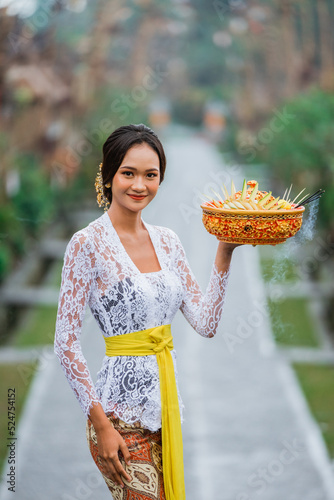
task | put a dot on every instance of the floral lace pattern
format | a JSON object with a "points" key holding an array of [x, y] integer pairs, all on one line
{"points": [[98, 272]]}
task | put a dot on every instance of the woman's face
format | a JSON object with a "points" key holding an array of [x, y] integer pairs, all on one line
{"points": [[138, 175]]}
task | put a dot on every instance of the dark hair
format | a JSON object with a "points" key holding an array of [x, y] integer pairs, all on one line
{"points": [[119, 143]]}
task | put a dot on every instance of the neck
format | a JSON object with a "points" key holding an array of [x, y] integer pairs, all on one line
{"points": [[125, 221]]}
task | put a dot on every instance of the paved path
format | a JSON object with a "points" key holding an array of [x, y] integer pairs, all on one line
{"points": [[248, 433]]}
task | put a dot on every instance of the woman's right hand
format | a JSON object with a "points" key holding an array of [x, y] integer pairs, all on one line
{"points": [[109, 442]]}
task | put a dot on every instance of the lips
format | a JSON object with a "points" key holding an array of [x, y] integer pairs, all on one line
{"points": [[137, 197]]}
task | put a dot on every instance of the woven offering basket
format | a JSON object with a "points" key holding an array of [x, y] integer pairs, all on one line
{"points": [[253, 227]]}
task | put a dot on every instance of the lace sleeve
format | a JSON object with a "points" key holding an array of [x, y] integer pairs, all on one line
{"points": [[77, 277], [202, 311]]}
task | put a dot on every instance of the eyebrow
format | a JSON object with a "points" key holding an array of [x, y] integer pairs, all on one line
{"points": [[133, 168]]}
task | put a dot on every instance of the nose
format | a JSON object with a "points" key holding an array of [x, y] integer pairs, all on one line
{"points": [[138, 183]]}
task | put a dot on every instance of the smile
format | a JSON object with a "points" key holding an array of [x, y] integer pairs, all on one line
{"points": [[137, 197]]}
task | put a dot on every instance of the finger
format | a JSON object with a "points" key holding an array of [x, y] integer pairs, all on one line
{"points": [[120, 470], [112, 472], [126, 454]]}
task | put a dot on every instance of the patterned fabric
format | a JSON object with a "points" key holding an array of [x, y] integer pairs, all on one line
{"points": [[98, 272], [146, 461]]}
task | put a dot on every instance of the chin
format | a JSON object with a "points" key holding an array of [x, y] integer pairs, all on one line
{"points": [[137, 206]]}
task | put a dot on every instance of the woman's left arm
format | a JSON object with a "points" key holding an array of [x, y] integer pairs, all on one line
{"points": [[224, 256], [203, 310]]}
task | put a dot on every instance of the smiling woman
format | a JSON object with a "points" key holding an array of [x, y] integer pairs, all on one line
{"points": [[138, 177], [129, 152], [135, 277]]}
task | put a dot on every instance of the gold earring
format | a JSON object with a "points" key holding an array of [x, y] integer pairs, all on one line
{"points": [[102, 200], [108, 185]]}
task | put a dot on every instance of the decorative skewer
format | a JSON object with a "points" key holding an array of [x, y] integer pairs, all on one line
{"points": [[302, 199], [218, 195], [296, 198], [288, 194], [315, 196], [247, 199]]}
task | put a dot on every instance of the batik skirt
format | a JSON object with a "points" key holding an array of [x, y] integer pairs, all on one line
{"points": [[145, 469]]}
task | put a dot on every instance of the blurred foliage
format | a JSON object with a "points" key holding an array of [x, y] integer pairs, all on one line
{"points": [[69, 27], [229, 142], [302, 152], [5, 259], [306, 141], [33, 204], [188, 107], [26, 214], [109, 112], [11, 238]]}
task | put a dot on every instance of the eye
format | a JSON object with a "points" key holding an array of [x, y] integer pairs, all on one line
{"points": [[127, 172], [152, 173]]}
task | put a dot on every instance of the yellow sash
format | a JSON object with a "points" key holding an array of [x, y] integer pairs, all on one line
{"points": [[159, 341]]}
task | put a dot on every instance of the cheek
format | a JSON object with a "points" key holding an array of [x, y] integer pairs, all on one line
{"points": [[154, 187], [120, 181], [155, 183]]}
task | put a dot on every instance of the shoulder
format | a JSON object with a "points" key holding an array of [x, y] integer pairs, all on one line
{"points": [[83, 240]]}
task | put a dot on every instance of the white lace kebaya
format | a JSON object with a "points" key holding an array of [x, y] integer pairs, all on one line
{"points": [[98, 271]]}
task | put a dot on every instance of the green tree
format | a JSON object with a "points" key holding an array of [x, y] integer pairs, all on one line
{"points": [[303, 152]]}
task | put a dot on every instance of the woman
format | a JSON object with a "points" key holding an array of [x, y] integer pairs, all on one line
{"points": [[134, 276]]}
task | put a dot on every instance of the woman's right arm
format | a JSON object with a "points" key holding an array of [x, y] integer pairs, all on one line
{"points": [[109, 441], [76, 285]]}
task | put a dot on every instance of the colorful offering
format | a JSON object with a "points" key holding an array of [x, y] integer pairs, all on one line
{"points": [[255, 217]]}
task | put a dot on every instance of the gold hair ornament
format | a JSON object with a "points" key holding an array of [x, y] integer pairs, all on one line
{"points": [[102, 200]]}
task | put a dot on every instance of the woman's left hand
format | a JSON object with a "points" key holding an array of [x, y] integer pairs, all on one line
{"points": [[228, 248]]}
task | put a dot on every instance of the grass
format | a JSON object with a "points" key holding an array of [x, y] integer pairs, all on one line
{"points": [[279, 270], [292, 322], [317, 382], [18, 377], [38, 328], [293, 326]]}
